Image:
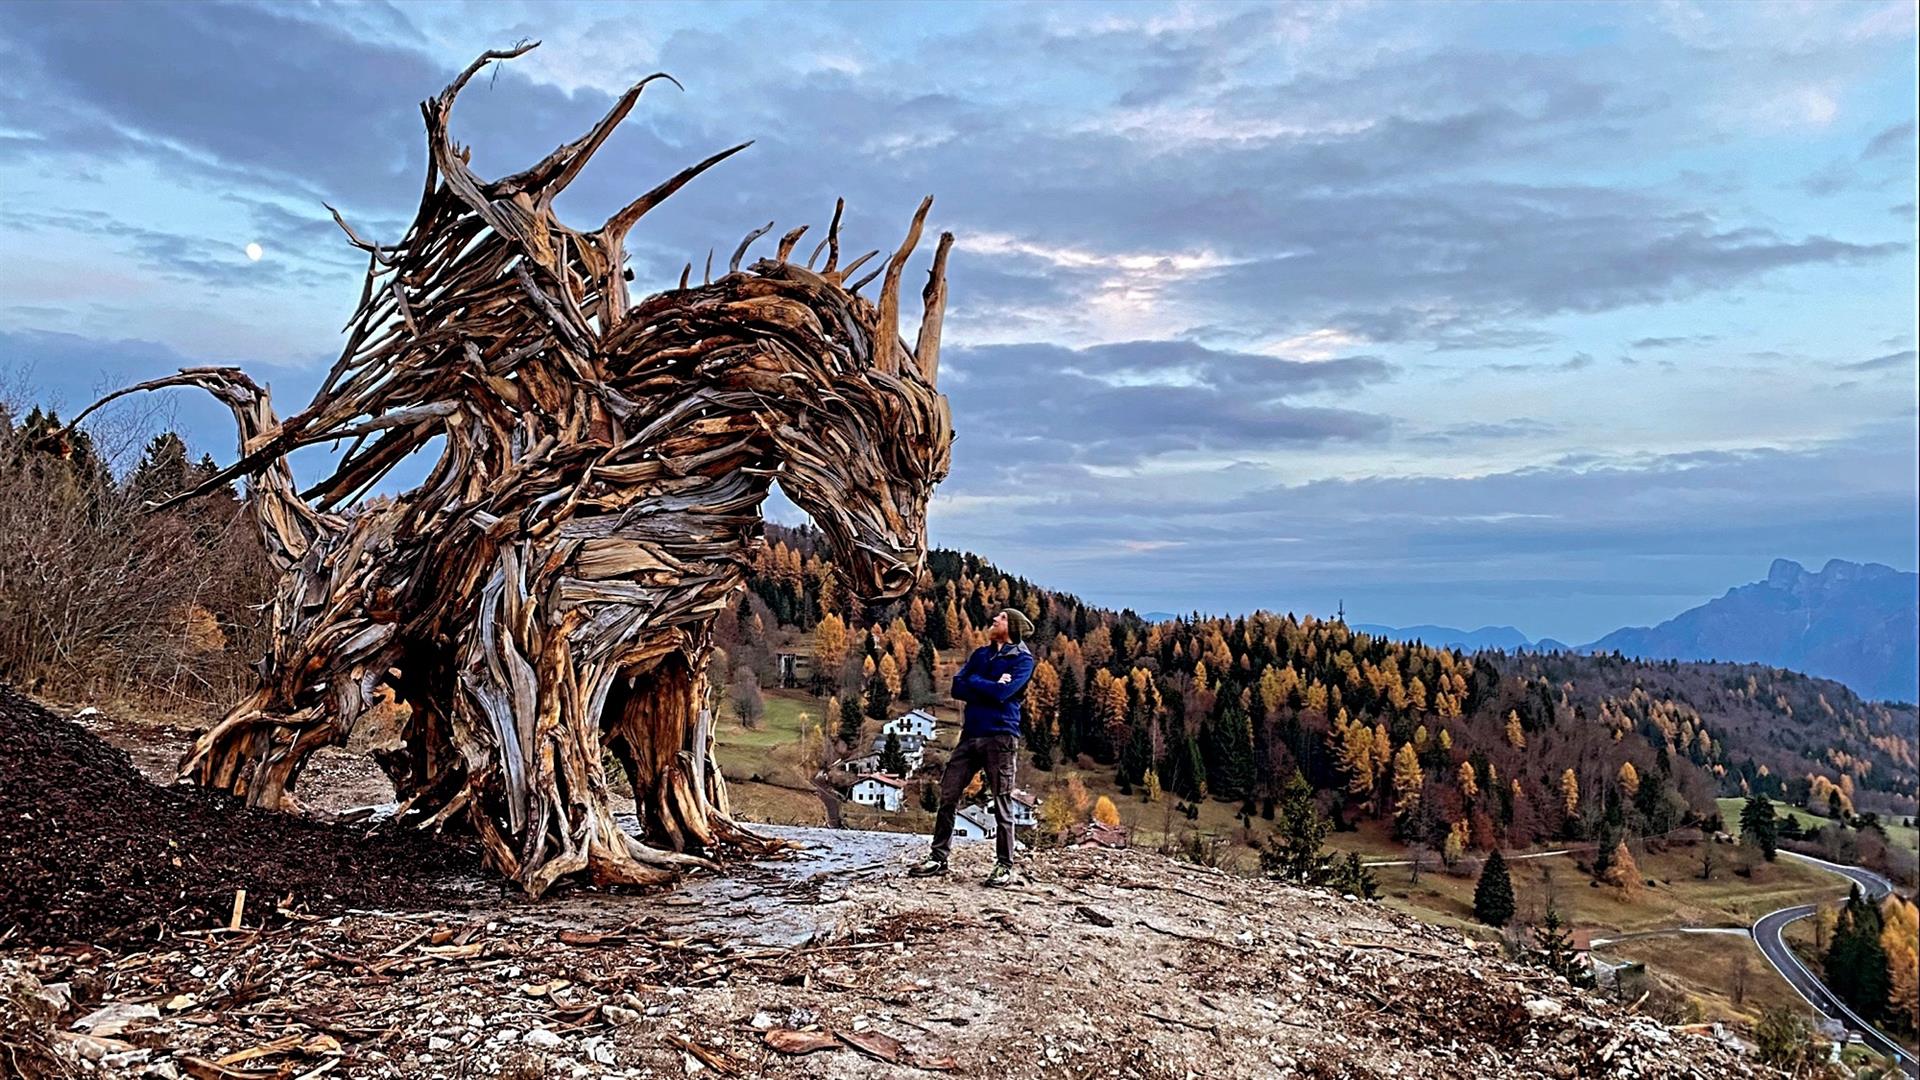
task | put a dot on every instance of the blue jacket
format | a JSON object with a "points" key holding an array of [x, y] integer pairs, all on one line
{"points": [[993, 707]]}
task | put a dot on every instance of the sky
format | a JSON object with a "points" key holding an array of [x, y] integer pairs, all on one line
{"points": [[1560, 316]]}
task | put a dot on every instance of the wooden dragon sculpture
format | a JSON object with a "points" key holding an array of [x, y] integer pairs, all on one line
{"points": [[547, 592]]}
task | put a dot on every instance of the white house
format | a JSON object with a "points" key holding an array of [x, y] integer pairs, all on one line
{"points": [[918, 723], [974, 823], [865, 763], [1026, 809], [878, 790]]}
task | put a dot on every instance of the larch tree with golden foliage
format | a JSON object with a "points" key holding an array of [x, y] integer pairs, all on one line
{"points": [[1105, 812], [1629, 779], [1469, 780], [1900, 937], [1622, 872], [829, 647], [1407, 779], [1570, 793], [1516, 735], [1353, 748]]}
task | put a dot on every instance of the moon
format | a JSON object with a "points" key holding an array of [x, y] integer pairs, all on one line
{"points": [[254, 252]]}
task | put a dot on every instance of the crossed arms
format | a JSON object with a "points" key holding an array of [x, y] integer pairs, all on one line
{"points": [[981, 690]]}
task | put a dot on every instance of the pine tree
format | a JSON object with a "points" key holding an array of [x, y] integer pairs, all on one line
{"points": [[162, 471], [1900, 938], [1856, 962], [1230, 767], [1293, 852], [879, 699], [1493, 893], [851, 724], [1553, 948], [829, 648], [1469, 783], [1758, 829], [892, 760], [1069, 714], [1352, 877]]}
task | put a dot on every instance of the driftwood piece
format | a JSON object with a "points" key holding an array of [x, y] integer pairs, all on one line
{"points": [[544, 598]]}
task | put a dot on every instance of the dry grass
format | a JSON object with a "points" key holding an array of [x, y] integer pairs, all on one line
{"points": [[1706, 967], [1678, 896]]}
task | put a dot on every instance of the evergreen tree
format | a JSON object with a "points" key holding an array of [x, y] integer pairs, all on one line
{"points": [[879, 699], [1757, 826], [1136, 760], [1351, 876], [892, 760], [1230, 765], [1293, 852], [1493, 894], [1069, 714], [1856, 961], [850, 724], [1553, 948], [929, 797], [162, 472], [1040, 741]]}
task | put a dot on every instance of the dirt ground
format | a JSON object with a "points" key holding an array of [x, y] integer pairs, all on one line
{"points": [[95, 852], [826, 963]]}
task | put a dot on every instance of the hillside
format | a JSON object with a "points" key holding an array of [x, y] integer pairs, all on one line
{"points": [[1427, 739]]}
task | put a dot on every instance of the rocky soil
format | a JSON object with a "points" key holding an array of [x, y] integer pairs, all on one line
{"points": [[828, 963]]}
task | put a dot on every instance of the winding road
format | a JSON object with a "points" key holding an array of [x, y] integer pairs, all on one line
{"points": [[1769, 935]]}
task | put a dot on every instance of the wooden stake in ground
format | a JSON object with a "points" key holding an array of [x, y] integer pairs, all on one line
{"points": [[543, 600]]}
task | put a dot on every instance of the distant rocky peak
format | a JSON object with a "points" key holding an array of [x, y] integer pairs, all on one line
{"points": [[1785, 573]]}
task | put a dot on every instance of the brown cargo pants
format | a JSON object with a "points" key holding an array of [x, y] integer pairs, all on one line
{"points": [[997, 755]]}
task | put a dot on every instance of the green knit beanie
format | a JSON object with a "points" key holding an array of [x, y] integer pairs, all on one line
{"points": [[1018, 625]]}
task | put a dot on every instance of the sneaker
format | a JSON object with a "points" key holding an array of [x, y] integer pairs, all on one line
{"points": [[930, 868], [1002, 876]]}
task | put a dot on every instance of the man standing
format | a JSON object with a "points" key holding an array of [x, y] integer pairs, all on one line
{"points": [[990, 683]]}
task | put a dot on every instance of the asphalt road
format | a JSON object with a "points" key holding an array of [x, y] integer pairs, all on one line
{"points": [[1767, 934]]}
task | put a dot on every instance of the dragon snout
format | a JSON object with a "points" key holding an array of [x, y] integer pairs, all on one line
{"points": [[881, 576]]}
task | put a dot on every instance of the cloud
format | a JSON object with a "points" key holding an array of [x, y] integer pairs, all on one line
{"points": [[1901, 359], [1592, 540], [1672, 342], [1576, 362], [1119, 406], [1890, 143], [1519, 427]]}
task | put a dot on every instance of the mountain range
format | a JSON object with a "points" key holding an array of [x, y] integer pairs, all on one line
{"points": [[1858, 624]]}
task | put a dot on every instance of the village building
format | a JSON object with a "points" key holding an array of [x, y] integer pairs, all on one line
{"points": [[918, 723], [1095, 833], [794, 669], [1026, 809], [974, 823], [878, 790]]}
